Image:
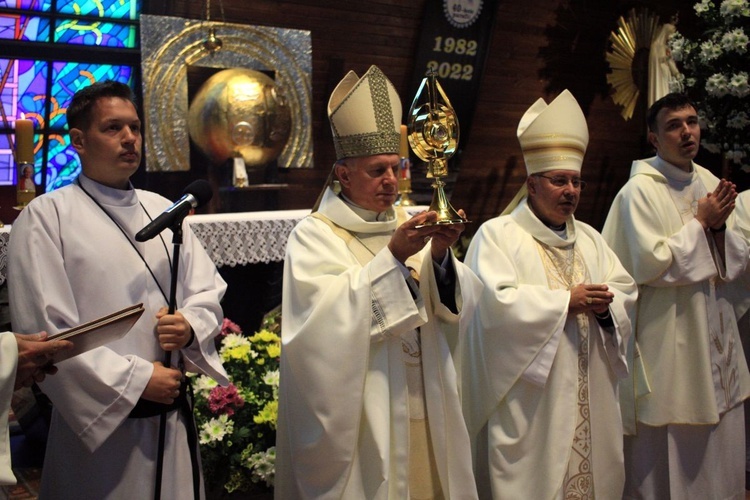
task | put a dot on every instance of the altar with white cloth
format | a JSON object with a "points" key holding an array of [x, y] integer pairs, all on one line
{"points": [[233, 239], [248, 249]]}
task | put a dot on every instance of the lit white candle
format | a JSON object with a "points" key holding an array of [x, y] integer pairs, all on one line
{"points": [[24, 141]]}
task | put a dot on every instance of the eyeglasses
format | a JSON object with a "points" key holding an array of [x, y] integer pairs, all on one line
{"points": [[560, 182]]}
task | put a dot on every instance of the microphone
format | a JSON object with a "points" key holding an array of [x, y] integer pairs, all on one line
{"points": [[197, 193]]}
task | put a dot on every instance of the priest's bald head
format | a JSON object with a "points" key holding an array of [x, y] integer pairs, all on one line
{"points": [[365, 116]]}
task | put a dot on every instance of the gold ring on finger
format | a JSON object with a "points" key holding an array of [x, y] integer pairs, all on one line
{"points": [[589, 300]]}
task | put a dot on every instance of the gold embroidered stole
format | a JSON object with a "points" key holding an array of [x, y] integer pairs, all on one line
{"points": [[565, 268], [424, 481]]}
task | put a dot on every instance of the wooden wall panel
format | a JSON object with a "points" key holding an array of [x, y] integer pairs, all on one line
{"points": [[538, 47]]}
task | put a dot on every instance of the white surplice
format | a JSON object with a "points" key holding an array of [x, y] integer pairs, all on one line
{"points": [[693, 363], [8, 363], [519, 367], [344, 415], [68, 264]]}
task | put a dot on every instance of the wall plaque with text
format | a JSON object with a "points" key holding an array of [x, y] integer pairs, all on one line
{"points": [[454, 41]]}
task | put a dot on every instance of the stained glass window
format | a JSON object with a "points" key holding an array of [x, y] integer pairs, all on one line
{"points": [[34, 29], [41, 86], [112, 9], [42, 5], [74, 22]]}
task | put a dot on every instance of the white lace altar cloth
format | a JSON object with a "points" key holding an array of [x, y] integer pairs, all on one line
{"points": [[237, 239]]}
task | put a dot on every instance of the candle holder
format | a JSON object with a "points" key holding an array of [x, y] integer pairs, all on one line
{"points": [[25, 189], [404, 184], [433, 136]]}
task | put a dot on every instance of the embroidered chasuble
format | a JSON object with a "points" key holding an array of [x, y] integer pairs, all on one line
{"points": [[8, 363], [424, 482], [565, 269], [368, 402], [689, 344], [685, 194], [539, 384], [693, 363]]}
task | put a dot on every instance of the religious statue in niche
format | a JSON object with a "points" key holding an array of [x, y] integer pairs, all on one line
{"points": [[663, 74], [240, 116]]}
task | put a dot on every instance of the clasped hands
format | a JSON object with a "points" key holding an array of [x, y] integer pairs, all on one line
{"points": [[715, 208], [408, 239], [591, 297]]}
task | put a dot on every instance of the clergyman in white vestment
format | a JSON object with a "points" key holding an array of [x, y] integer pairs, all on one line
{"points": [[541, 362], [73, 258], [685, 419], [368, 401]]}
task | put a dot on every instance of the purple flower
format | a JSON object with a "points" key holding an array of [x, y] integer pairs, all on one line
{"points": [[224, 400], [229, 326]]}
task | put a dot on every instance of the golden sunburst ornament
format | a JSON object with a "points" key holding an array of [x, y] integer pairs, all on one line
{"points": [[632, 35]]}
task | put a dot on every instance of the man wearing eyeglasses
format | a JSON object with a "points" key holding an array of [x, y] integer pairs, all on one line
{"points": [[543, 355], [668, 226]]}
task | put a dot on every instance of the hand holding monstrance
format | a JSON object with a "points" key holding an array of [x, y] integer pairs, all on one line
{"points": [[433, 136]]}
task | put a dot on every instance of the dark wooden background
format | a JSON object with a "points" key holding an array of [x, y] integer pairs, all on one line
{"points": [[537, 49]]}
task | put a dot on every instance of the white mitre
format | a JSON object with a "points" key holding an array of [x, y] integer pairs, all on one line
{"points": [[365, 115], [552, 137]]}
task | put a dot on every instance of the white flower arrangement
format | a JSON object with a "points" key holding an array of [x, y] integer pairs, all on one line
{"points": [[712, 74]]}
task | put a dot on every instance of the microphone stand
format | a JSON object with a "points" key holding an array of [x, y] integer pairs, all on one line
{"points": [[176, 242]]}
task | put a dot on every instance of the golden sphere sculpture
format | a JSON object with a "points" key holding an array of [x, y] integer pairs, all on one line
{"points": [[242, 112]]}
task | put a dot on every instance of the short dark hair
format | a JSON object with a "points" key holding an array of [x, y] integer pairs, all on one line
{"points": [[675, 100], [79, 110]]}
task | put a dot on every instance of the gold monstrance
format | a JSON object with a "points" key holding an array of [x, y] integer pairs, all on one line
{"points": [[433, 136]]}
